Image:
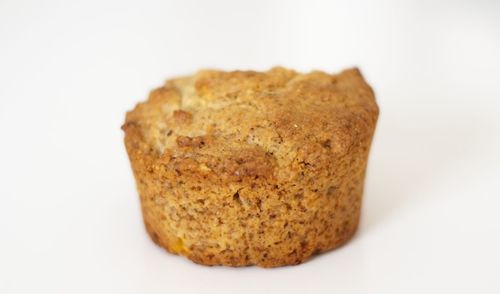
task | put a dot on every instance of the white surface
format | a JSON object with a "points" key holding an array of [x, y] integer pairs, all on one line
{"points": [[69, 213]]}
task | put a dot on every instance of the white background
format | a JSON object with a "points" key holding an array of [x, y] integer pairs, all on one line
{"points": [[69, 212]]}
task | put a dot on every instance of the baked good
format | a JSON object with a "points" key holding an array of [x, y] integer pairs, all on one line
{"points": [[252, 168]]}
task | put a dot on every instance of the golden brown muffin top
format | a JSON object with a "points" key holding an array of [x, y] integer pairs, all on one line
{"points": [[245, 123]]}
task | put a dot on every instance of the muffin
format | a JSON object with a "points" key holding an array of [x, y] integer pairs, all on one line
{"points": [[252, 168]]}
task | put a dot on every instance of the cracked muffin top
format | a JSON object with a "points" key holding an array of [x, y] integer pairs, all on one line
{"points": [[245, 123]]}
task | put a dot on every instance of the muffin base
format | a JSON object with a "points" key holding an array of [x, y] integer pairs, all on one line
{"points": [[200, 257]]}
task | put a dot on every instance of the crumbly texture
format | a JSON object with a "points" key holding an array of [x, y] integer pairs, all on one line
{"points": [[252, 168]]}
